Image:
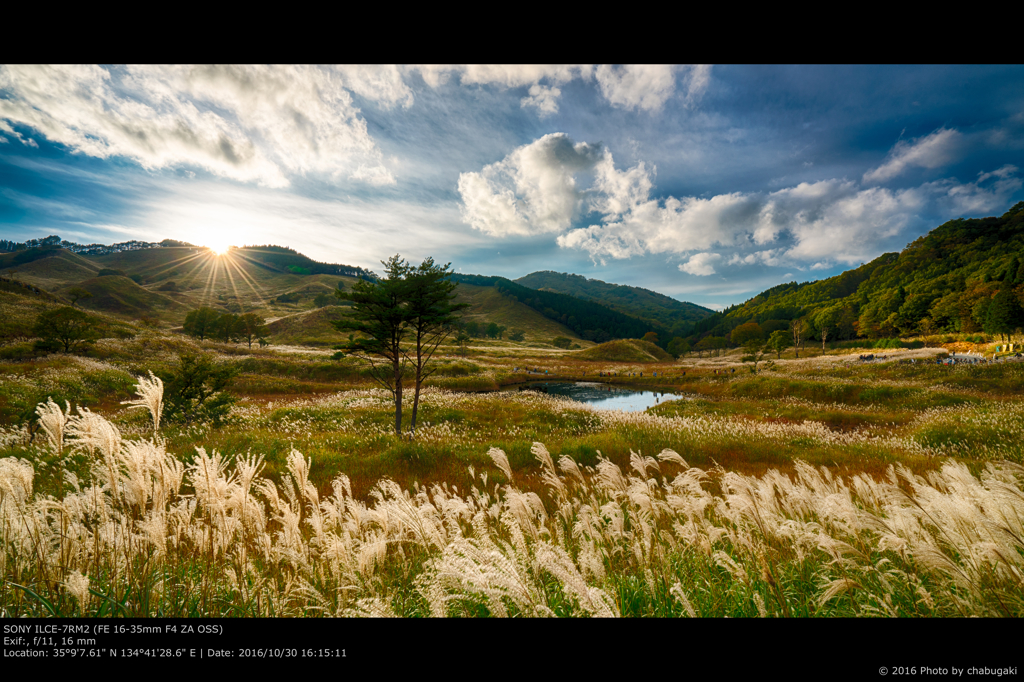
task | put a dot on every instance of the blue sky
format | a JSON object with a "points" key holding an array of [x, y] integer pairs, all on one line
{"points": [[706, 183]]}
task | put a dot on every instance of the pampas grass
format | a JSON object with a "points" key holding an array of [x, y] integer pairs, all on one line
{"points": [[141, 533]]}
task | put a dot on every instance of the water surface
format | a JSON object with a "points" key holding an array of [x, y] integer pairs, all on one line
{"points": [[603, 396]]}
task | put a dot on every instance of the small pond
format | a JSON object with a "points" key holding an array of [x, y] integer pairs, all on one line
{"points": [[601, 396]]}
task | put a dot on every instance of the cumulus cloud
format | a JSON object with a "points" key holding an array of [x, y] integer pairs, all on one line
{"points": [[931, 151], [542, 188], [700, 264], [532, 190], [668, 226], [248, 123]]}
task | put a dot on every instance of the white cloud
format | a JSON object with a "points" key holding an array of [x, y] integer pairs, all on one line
{"points": [[769, 257], [669, 226], [701, 264], [931, 151], [973, 198], [532, 190], [541, 188], [644, 86], [247, 123], [519, 75], [381, 83], [543, 98]]}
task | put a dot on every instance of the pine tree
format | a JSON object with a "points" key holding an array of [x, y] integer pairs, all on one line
{"points": [[432, 317], [379, 313]]}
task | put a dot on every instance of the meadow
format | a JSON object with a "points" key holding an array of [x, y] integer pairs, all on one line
{"points": [[821, 486]]}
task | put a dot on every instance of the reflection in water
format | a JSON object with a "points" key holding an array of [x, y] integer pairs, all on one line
{"points": [[603, 396]]}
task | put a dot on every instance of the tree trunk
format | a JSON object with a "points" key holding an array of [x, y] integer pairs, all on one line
{"points": [[419, 383], [398, 396]]}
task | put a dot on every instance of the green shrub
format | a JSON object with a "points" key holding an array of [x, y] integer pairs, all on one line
{"points": [[194, 393]]}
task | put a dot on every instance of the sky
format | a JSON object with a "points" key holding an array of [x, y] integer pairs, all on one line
{"points": [[708, 183]]}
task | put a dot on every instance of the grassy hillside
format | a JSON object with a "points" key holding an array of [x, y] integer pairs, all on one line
{"points": [[488, 305], [624, 350], [52, 270], [121, 296], [636, 301], [311, 327]]}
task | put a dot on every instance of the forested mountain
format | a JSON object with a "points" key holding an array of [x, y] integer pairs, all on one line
{"points": [[966, 276], [591, 321], [634, 301]]}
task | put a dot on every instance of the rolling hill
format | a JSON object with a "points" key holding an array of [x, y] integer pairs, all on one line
{"points": [[635, 301], [624, 350]]}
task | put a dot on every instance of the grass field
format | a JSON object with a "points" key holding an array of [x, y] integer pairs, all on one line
{"points": [[821, 487]]}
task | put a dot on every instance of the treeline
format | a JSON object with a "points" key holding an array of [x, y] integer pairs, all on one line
{"points": [[54, 242], [589, 320]]}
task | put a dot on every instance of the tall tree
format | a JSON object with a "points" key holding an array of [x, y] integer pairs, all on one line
{"points": [[65, 329], [252, 327], [432, 317], [201, 323], [778, 342], [796, 328], [1004, 313], [379, 314], [228, 328]]}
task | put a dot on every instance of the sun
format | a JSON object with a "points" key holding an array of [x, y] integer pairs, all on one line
{"points": [[219, 247]]}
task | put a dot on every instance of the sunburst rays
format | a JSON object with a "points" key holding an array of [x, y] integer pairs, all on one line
{"points": [[210, 268]]}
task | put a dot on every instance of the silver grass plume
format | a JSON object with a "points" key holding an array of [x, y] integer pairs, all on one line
{"points": [[501, 461], [677, 590], [78, 587], [151, 397], [53, 420]]}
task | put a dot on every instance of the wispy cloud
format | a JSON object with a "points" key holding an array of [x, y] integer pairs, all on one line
{"points": [[248, 123], [931, 151], [646, 86]]}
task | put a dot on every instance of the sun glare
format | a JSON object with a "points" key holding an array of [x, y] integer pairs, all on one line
{"points": [[219, 248]]}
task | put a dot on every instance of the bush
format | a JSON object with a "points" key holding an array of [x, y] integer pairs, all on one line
{"points": [[195, 392], [561, 342]]}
